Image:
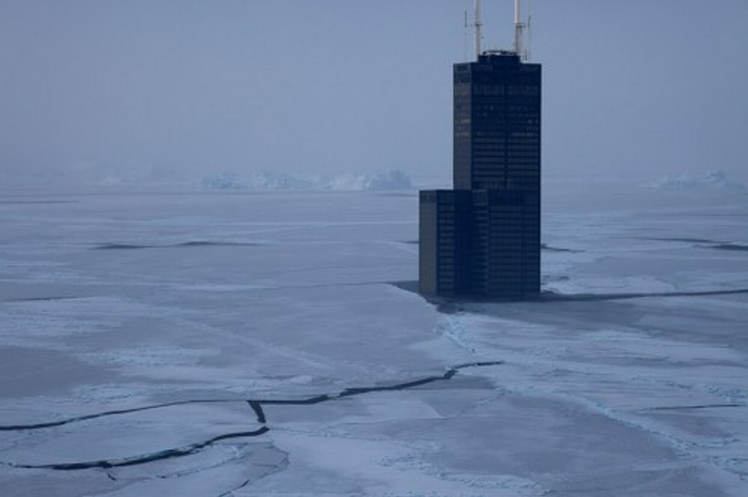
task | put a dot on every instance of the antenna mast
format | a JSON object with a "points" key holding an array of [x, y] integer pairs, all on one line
{"points": [[519, 27], [477, 26], [528, 31]]}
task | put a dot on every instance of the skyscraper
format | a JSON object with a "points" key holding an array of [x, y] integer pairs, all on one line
{"points": [[482, 239]]}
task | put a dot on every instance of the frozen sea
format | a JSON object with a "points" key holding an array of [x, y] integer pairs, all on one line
{"points": [[271, 344]]}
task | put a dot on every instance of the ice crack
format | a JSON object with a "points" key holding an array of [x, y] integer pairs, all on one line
{"points": [[255, 404]]}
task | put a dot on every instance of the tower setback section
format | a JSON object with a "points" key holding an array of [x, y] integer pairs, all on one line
{"points": [[482, 239]]}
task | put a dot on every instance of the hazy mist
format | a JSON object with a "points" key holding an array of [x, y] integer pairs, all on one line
{"points": [[137, 92]]}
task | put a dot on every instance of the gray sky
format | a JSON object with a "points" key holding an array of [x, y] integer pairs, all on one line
{"points": [[152, 90]]}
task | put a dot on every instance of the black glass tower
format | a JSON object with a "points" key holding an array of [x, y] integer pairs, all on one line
{"points": [[482, 239]]}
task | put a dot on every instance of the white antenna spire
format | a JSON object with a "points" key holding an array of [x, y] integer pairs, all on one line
{"points": [[518, 28], [528, 30], [465, 35], [477, 26]]}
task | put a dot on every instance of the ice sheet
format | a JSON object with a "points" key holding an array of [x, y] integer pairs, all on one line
{"points": [[200, 344]]}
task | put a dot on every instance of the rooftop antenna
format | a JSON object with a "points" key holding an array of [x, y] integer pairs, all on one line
{"points": [[477, 26], [465, 35], [519, 26], [528, 30]]}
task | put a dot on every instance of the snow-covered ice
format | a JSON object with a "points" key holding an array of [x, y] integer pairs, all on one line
{"points": [[266, 343]]}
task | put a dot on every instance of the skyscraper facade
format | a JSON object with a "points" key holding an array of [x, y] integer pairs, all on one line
{"points": [[482, 239]]}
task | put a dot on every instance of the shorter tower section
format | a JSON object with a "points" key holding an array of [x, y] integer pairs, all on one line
{"points": [[444, 233]]}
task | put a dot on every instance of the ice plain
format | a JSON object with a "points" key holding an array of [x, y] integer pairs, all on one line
{"points": [[271, 343]]}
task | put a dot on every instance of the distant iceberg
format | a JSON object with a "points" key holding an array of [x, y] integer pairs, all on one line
{"points": [[711, 181], [270, 181], [222, 181], [392, 180]]}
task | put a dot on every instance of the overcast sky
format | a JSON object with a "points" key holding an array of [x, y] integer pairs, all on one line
{"points": [[154, 90]]}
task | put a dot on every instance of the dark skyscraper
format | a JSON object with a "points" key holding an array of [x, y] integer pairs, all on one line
{"points": [[482, 239]]}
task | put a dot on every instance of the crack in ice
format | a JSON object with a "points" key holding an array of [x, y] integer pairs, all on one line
{"points": [[255, 404], [692, 407], [145, 458]]}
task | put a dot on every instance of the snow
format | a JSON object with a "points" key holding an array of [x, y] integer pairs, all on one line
{"points": [[241, 343]]}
